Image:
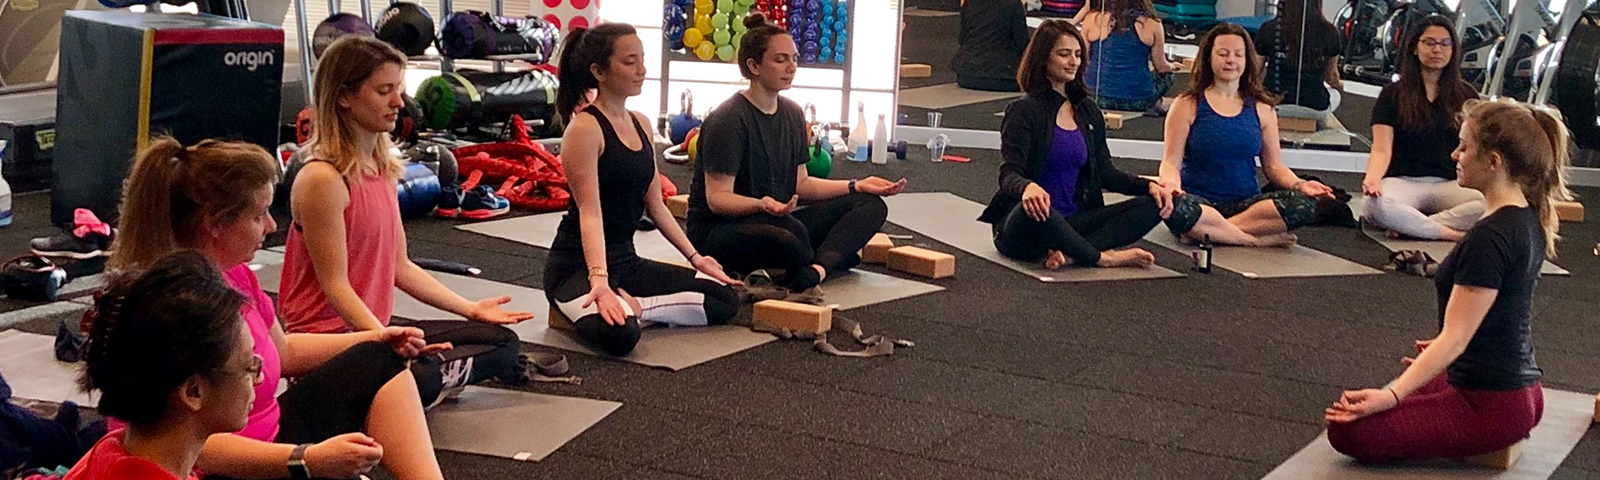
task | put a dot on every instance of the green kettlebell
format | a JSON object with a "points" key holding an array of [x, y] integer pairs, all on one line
{"points": [[821, 163]]}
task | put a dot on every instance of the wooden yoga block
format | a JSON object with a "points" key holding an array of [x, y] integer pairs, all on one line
{"points": [[915, 70], [1113, 120], [1569, 211], [799, 317], [1597, 408], [1297, 124], [1499, 459], [559, 321], [679, 205], [877, 249], [1188, 64], [921, 261]]}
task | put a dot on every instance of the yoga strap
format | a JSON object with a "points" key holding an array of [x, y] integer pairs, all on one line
{"points": [[876, 345]]}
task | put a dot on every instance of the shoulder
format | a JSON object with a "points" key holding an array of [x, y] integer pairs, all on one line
{"points": [[318, 174], [790, 108], [1390, 90], [1088, 106], [582, 122]]}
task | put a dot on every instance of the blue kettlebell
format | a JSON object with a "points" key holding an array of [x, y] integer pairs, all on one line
{"points": [[679, 124]]}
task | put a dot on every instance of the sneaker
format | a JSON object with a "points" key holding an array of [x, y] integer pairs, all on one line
{"points": [[482, 203], [32, 277], [88, 238], [70, 342], [449, 202]]}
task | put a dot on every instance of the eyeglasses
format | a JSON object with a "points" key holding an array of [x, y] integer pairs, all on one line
{"points": [[255, 370], [1431, 43]]}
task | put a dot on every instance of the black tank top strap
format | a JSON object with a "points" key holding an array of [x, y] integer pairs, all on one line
{"points": [[613, 141]]}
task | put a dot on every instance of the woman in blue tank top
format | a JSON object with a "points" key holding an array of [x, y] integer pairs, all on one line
{"points": [[1215, 132], [1128, 70]]}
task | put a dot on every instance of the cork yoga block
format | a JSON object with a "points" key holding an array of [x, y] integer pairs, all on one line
{"points": [[1113, 120], [1569, 211], [559, 321], [921, 261], [799, 317], [679, 206], [1500, 459], [915, 70], [1305, 125], [877, 249], [1597, 408]]}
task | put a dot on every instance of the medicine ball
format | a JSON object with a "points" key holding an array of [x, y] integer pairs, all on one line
{"points": [[406, 26], [409, 121], [338, 25]]}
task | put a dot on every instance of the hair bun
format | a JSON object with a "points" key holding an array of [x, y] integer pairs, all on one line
{"points": [[755, 19]]}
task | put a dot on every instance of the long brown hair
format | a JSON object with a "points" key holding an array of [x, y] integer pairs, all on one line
{"points": [[1537, 163], [343, 68], [1249, 84], [1124, 13], [172, 190], [1033, 75], [1416, 113], [1298, 19]]}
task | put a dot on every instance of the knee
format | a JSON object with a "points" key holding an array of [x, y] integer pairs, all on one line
{"points": [[1185, 214], [1348, 439], [614, 340], [871, 205], [1145, 209], [1296, 210]]}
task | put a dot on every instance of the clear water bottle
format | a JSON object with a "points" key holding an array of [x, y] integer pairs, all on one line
{"points": [[937, 145], [5, 191]]}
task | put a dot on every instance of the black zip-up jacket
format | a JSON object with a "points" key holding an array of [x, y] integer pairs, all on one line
{"points": [[1025, 136]]}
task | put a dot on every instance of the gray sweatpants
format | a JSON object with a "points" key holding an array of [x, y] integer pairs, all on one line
{"points": [[1418, 206]]}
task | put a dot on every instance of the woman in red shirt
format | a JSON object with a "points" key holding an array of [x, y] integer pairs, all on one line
{"points": [[170, 355]]}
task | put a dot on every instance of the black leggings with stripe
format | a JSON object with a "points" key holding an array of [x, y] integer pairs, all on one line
{"points": [[670, 294]]}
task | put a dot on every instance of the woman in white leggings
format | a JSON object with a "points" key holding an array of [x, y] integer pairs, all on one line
{"points": [[1411, 180]]}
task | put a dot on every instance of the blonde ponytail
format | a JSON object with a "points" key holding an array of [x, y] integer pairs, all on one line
{"points": [[1536, 163]]}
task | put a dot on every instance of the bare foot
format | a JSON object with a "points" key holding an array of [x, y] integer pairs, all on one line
{"points": [[631, 301], [1132, 257], [1054, 260], [1284, 240], [1391, 234], [1450, 234]]}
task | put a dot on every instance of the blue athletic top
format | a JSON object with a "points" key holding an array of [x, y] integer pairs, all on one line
{"points": [[1124, 63], [1059, 175], [1219, 159]]}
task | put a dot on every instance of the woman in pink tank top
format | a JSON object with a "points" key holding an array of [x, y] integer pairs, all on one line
{"points": [[347, 249], [213, 197]]}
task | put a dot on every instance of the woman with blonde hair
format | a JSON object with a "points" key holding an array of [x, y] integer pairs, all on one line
{"points": [[346, 251], [1474, 388], [352, 405]]}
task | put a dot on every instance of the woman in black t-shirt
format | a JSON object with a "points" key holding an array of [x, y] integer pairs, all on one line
{"points": [[594, 273], [1300, 50], [1410, 178], [1475, 388], [751, 175]]}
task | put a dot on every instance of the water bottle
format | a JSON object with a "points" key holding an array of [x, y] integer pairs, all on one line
{"points": [[937, 145], [5, 191], [880, 143], [858, 133]]}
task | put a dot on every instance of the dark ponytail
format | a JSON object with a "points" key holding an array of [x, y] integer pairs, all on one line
{"points": [[585, 47], [754, 45]]}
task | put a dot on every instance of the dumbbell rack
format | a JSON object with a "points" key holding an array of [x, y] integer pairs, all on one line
{"points": [[670, 56]]}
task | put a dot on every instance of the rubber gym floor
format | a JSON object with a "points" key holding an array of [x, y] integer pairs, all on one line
{"points": [[1212, 376]]}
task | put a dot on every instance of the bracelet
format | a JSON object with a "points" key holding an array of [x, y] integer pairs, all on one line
{"points": [[598, 272], [297, 462], [1396, 396], [852, 185], [692, 255], [1297, 185]]}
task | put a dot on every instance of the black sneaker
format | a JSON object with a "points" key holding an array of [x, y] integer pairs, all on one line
{"points": [[65, 244]]}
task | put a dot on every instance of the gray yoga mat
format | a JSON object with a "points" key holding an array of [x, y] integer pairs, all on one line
{"points": [[954, 220], [1567, 416], [857, 289], [670, 348], [30, 365], [1435, 248], [511, 424], [1263, 262], [948, 95]]}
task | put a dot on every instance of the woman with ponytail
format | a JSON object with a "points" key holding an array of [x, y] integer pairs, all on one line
{"points": [[352, 404], [346, 252], [593, 266], [751, 176], [1475, 388]]}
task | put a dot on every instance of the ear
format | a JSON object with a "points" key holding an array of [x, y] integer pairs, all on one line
{"points": [[192, 393], [751, 64], [597, 72], [1496, 161]]}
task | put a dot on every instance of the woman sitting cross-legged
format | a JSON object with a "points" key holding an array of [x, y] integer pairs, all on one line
{"points": [[1215, 133], [352, 404], [1050, 205], [1475, 388]]}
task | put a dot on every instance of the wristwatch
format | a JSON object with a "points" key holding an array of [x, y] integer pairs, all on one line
{"points": [[297, 463], [852, 185]]}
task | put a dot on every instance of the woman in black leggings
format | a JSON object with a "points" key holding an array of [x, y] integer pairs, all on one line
{"points": [[751, 174], [1049, 205], [593, 275]]}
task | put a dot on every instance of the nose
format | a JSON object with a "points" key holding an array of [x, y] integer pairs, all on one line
{"points": [[271, 226]]}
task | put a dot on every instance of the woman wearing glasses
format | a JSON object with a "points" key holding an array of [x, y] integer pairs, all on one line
{"points": [[353, 403], [1411, 181]]}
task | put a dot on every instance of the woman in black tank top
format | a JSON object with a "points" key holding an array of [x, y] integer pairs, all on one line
{"points": [[594, 276]]}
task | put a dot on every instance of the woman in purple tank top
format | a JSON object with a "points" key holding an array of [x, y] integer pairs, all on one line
{"points": [[1215, 133]]}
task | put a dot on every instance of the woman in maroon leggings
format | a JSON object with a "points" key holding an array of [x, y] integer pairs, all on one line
{"points": [[1475, 388]]}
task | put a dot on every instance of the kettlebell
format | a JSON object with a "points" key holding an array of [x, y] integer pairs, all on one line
{"points": [[679, 124], [821, 163]]}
